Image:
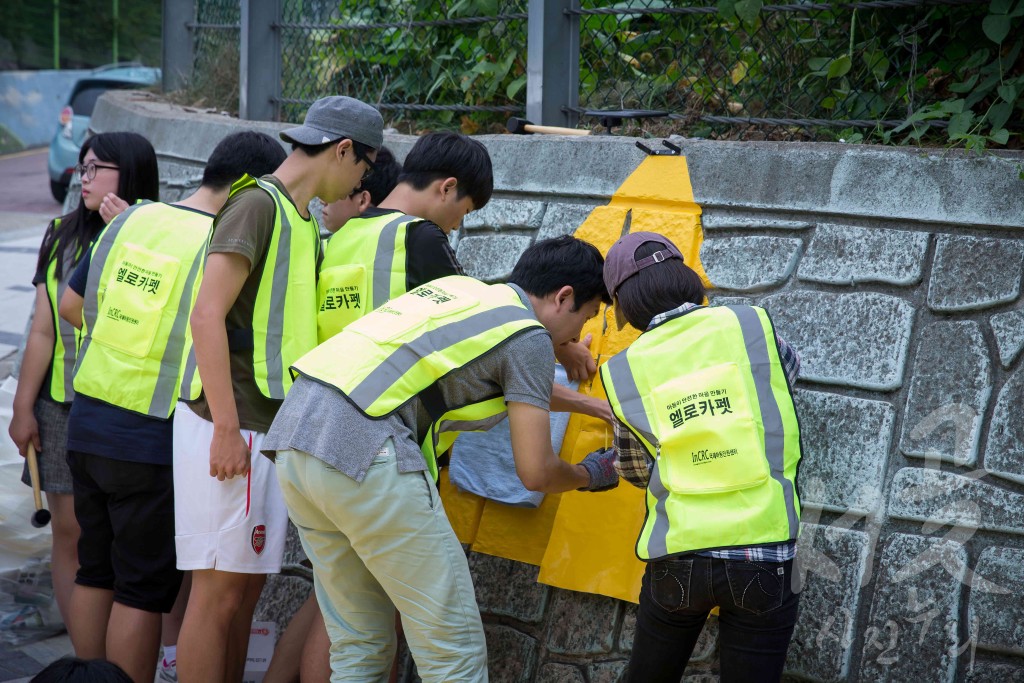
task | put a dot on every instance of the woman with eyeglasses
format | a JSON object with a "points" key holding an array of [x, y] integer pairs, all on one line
{"points": [[116, 170]]}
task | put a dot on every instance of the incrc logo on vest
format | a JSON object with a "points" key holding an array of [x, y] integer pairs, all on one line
{"points": [[116, 314], [705, 456], [259, 538]]}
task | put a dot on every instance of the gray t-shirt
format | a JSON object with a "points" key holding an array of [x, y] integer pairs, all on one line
{"points": [[319, 420]]}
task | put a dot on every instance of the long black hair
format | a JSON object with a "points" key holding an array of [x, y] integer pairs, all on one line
{"points": [[137, 179]]}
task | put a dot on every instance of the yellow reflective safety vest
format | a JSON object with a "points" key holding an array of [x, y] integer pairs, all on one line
{"points": [[398, 353], [284, 315], [144, 274], [722, 428], [66, 337], [363, 266]]}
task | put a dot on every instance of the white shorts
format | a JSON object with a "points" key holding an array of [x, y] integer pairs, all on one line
{"points": [[235, 525]]}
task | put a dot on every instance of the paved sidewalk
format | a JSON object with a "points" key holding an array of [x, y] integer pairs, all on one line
{"points": [[19, 664], [25, 210]]}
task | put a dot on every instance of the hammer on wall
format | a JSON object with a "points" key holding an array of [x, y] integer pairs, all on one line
{"points": [[520, 126]]}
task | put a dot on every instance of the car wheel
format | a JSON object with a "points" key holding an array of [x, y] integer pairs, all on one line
{"points": [[58, 190]]}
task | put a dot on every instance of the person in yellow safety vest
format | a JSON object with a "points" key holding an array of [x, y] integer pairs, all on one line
{"points": [[131, 295], [115, 169], [356, 440], [716, 444], [302, 651], [254, 316], [403, 244]]}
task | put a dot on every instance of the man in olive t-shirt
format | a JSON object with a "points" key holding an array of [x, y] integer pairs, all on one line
{"points": [[230, 519]]}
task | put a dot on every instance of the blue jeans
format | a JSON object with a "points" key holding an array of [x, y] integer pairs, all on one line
{"points": [[757, 614]]}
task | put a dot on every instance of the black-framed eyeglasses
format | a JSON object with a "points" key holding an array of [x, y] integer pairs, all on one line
{"points": [[88, 171], [370, 166]]}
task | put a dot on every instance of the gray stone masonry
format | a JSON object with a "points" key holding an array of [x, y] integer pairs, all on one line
{"points": [[996, 610], [857, 340], [560, 673], [1004, 452], [995, 672], [505, 214], [749, 264], [509, 589], [912, 631], [972, 273], [831, 563], [846, 255], [952, 382], [844, 464], [937, 498], [581, 624], [491, 257], [896, 274], [1009, 330], [511, 654], [563, 219]]}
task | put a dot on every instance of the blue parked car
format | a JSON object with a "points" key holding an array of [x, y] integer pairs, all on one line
{"points": [[74, 118]]}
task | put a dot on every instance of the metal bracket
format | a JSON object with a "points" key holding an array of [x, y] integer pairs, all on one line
{"points": [[672, 151]]}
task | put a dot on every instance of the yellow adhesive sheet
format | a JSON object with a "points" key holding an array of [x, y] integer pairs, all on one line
{"points": [[585, 541]]}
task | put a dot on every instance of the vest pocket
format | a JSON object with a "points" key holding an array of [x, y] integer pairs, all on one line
{"points": [[710, 442], [342, 297], [137, 288]]}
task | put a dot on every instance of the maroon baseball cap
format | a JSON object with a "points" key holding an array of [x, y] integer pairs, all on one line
{"points": [[621, 262]]}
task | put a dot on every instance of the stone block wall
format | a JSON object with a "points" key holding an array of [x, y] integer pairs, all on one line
{"points": [[897, 275]]}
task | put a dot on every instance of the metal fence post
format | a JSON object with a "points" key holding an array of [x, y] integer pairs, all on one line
{"points": [[177, 43], [552, 62], [259, 76]]}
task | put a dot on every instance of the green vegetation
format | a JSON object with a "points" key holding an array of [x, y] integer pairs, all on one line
{"points": [[88, 33]]}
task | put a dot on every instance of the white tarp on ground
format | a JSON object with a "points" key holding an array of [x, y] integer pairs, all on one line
{"points": [[27, 608]]}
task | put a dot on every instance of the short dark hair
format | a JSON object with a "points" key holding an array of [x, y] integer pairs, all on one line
{"points": [[657, 288], [247, 151], [361, 150], [548, 265], [436, 156], [75, 670], [384, 177]]}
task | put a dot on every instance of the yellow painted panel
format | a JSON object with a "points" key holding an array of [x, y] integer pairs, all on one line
{"points": [[516, 533], [585, 541], [463, 508], [591, 546]]}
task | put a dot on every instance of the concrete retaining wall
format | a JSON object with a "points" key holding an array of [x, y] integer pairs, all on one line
{"points": [[30, 102], [897, 274]]}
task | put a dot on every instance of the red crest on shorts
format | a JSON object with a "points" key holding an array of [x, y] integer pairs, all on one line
{"points": [[259, 538]]}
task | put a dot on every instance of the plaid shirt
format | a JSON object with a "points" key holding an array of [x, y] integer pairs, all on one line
{"points": [[634, 463]]}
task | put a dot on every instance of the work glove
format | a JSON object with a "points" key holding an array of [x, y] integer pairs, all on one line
{"points": [[600, 465]]}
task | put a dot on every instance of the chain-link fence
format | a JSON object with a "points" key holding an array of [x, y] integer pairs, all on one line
{"points": [[735, 68], [215, 45], [421, 59]]}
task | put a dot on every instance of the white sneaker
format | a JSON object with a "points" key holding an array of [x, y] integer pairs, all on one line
{"points": [[167, 674]]}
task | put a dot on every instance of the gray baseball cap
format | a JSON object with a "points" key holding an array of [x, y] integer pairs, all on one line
{"points": [[336, 117], [621, 263]]}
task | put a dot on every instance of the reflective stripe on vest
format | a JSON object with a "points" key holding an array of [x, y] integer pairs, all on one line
{"points": [[67, 337], [398, 352], [284, 314], [143, 278], [723, 430], [345, 291]]}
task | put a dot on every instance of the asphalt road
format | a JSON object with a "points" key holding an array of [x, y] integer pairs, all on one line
{"points": [[24, 185], [26, 207]]}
